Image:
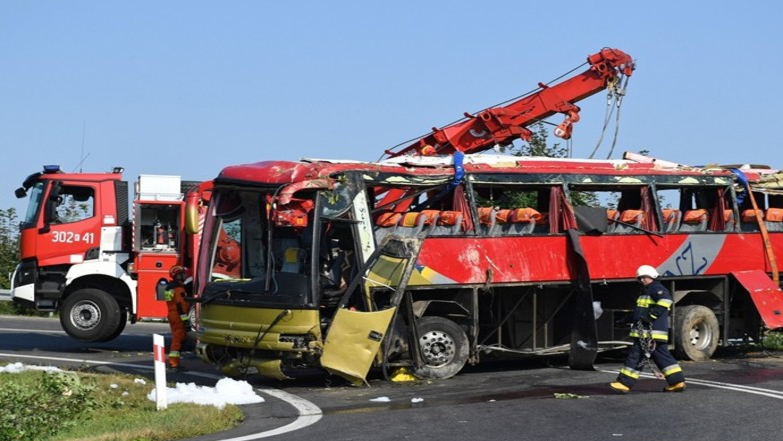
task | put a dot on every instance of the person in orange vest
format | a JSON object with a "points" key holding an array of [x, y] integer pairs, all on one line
{"points": [[178, 309]]}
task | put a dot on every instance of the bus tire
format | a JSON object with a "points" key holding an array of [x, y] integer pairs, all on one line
{"points": [[444, 348], [91, 315], [696, 332]]}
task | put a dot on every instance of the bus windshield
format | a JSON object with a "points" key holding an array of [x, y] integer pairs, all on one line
{"points": [[236, 239]]}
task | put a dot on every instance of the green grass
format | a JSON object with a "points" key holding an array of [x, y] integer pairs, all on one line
{"points": [[85, 407], [773, 341]]}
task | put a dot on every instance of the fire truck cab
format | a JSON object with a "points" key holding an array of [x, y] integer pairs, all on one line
{"points": [[84, 255]]}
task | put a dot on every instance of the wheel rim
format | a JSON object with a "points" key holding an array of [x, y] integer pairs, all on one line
{"points": [[86, 315], [438, 348], [700, 336]]}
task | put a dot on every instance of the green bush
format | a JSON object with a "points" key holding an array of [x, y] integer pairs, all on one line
{"points": [[12, 308], [773, 340], [41, 405]]}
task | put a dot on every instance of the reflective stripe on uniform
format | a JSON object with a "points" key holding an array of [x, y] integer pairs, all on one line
{"points": [[174, 354], [666, 303], [656, 335], [644, 301], [660, 335], [633, 373], [673, 369]]}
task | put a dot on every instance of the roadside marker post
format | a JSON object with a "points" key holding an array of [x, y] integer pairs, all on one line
{"points": [[159, 355]]}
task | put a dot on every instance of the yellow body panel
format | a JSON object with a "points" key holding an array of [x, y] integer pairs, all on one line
{"points": [[240, 326], [353, 341]]}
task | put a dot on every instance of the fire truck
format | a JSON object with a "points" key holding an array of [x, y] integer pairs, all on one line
{"points": [[88, 255], [440, 255]]}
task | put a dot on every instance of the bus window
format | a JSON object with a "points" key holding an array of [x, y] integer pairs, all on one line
{"points": [[696, 209], [512, 210], [624, 209], [411, 211]]}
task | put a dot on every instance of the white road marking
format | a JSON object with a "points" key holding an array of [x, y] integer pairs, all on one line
{"points": [[35, 331], [309, 413], [719, 385]]}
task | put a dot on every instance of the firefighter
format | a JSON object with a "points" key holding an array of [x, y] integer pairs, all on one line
{"points": [[178, 313], [650, 336]]}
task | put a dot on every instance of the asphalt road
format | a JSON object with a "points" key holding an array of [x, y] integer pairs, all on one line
{"points": [[735, 396]]}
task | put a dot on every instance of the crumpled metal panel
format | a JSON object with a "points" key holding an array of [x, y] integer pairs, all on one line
{"points": [[765, 294]]}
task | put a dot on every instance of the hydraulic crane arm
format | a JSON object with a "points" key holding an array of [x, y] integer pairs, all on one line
{"points": [[501, 125]]}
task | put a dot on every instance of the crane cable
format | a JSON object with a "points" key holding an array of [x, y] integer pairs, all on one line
{"points": [[620, 94], [614, 100]]}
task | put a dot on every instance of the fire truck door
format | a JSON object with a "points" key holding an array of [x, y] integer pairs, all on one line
{"points": [[357, 330], [767, 297], [72, 224]]}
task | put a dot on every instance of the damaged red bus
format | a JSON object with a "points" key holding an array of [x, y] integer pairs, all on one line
{"points": [[434, 262]]}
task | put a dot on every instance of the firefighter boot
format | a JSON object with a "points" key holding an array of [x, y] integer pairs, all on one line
{"points": [[620, 387], [677, 387], [174, 361]]}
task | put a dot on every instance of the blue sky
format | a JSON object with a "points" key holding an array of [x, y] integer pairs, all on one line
{"points": [[188, 87]]}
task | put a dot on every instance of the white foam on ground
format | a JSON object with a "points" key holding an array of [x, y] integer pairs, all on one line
{"points": [[226, 391]]}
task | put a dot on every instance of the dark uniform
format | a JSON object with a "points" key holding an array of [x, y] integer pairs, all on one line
{"points": [[652, 306]]}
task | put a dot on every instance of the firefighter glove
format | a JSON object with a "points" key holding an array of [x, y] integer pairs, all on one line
{"points": [[646, 319], [169, 295]]}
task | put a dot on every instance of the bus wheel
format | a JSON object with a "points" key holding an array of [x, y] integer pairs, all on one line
{"points": [[90, 315], [444, 348], [696, 332]]}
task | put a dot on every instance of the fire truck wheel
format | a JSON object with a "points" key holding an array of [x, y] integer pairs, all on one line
{"points": [[696, 332], [90, 315], [444, 348], [120, 326]]}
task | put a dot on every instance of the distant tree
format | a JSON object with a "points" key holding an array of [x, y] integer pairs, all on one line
{"points": [[538, 146], [9, 245]]}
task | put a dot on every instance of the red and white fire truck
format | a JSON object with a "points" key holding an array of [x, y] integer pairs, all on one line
{"points": [[439, 256], [87, 254]]}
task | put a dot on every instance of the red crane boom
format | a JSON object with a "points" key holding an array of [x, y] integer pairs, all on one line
{"points": [[501, 125]]}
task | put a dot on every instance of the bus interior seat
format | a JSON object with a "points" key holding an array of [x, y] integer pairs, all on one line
{"points": [[449, 222], [293, 259], [502, 218], [695, 220], [728, 217], [486, 219], [633, 218], [523, 220], [429, 219], [749, 222], [411, 224], [774, 220], [386, 223], [612, 216], [671, 219]]}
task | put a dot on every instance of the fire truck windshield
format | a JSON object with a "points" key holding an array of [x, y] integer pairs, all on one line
{"points": [[36, 197]]}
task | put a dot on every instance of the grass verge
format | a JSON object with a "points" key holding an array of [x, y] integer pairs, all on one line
{"points": [[41, 406]]}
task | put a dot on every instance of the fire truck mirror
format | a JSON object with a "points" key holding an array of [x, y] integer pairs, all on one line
{"points": [[191, 215], [20, 192]]}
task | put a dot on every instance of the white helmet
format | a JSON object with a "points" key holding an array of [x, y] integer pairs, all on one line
{"points": [[647, 270]]}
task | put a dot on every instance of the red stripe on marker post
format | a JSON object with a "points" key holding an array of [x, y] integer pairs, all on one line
{"points": [[159, 355]]}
